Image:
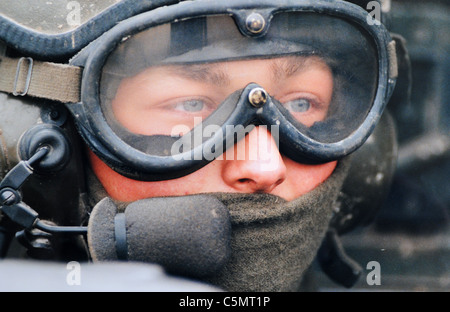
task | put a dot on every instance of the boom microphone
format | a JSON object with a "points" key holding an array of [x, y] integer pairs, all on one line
{"points": [[188, 235]]}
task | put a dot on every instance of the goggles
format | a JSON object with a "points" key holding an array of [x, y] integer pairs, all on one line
{"points": [[166, 92]]}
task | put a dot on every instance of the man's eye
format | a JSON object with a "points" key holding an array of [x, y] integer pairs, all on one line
{"points": [[298, 105], [190, 106]]}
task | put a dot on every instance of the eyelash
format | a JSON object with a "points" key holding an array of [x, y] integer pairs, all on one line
{"points": [[208, 104], [176, 104], [312, 100]]}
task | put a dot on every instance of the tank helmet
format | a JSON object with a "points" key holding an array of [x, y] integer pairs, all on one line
{"points": [[84, 53], [361, 57]]}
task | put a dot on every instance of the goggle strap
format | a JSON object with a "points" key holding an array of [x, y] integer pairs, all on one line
{"points": [[25, 76], [393, 64]]}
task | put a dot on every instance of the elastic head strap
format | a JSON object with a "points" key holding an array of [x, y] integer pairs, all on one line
{"points": [[25, 76]]}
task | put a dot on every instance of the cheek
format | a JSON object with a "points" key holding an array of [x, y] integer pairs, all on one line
{"points": [[119, 187], [124, 189], [303, 178], [300, 180]]}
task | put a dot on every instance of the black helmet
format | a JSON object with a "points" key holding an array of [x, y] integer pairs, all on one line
{"points": [[71, 65]]}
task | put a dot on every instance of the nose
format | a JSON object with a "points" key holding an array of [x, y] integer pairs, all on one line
{"points": [[255, 164]]}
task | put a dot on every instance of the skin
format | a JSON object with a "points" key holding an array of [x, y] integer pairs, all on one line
{"points": [[168, 96]]}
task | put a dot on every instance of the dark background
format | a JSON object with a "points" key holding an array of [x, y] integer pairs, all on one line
{"points": [[410, 237]]}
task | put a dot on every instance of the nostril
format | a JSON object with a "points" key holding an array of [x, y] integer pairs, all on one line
{"points": [[258, 186], [279, 181]]}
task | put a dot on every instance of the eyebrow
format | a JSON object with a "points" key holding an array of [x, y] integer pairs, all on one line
{"points": [[292, 65], [281, 68], [210, 73]]}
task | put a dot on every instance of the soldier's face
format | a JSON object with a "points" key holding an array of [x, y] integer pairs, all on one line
{"points": [[161, 98]]}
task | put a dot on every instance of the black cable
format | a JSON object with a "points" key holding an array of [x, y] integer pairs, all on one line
{"points": [[37, 157], [60, 229]]}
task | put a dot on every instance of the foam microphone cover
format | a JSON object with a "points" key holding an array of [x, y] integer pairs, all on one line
{"points": [[187, 235]]}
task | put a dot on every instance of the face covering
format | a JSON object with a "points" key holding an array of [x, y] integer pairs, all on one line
{"points": [[271, 242]]}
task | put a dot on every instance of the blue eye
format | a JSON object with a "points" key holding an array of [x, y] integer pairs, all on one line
{"points": [[298, 106], [191, 106]]}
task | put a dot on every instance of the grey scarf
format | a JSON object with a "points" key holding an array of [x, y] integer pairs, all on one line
{"points": [[273, 241]]}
